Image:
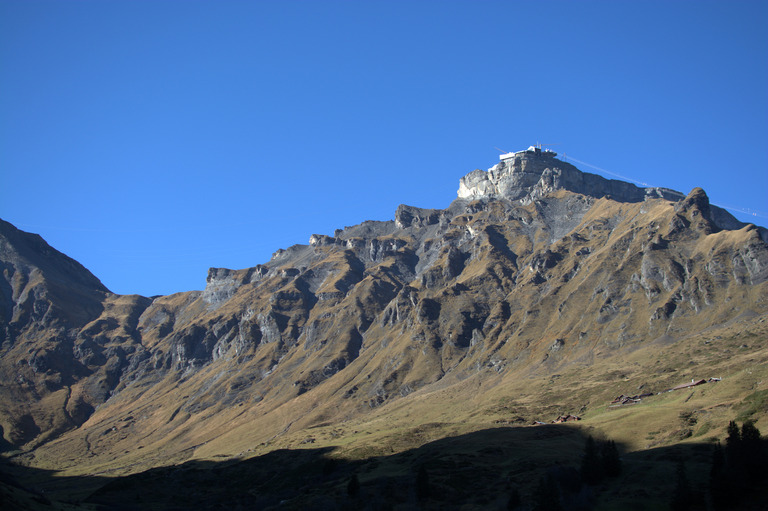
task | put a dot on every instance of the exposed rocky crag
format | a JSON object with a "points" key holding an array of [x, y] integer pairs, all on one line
{"points": [[534, 267], [65, 339], [533, 173]]}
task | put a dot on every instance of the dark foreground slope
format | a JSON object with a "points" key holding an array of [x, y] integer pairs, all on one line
{"points": [[493, 469], [501, 309]]}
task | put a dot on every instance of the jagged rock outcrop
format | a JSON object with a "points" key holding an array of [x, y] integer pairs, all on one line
{"points": [[534, 265], [533, 173], [66, 340]]}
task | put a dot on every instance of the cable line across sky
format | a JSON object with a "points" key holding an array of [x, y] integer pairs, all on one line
{"points": [[746, 211]]}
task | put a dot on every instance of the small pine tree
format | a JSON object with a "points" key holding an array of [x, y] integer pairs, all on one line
{"points": [[609, 456], [733, 445], [750, 435], [353, 487], [591, 466], [751, 451]]}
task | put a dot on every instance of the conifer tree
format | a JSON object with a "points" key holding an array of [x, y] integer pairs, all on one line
{"points": [[750, 435], [751, 454], [737, 469], [609, 456], [733, 445], [591, 466]]}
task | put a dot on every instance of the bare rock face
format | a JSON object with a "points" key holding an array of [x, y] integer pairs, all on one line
{"points": [[532, 266], [533, 173], [222, 283], [42, 287], [64, 338]]}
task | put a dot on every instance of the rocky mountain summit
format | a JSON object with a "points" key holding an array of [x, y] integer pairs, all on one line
{"points": [[534, 173], [534, 270]]}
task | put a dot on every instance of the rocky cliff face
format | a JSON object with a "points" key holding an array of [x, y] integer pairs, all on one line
{"points": [[534, 267], [65, 339], [532, 174]]}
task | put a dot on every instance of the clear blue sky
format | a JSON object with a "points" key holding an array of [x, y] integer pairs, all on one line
{"points": [[151, 140]]}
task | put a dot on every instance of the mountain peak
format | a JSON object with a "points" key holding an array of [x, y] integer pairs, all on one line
{"points": [[533, 173]]}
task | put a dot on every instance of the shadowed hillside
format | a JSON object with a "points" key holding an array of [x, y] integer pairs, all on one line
{"points": [[500, 468]]}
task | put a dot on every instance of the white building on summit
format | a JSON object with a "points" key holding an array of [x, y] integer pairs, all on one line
{"points": [[535, 150]]}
